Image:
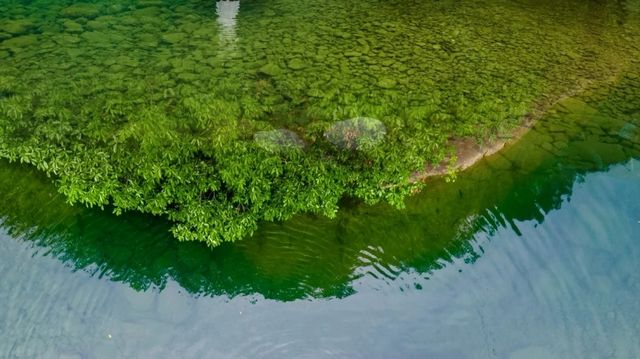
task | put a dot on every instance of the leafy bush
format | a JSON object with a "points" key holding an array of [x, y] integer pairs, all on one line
{"points": [[156, 109]]}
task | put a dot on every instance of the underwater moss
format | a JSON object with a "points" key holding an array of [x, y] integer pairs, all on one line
{"points": [[169, 108]]}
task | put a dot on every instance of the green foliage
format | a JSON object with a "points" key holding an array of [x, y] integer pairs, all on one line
{"points": [[149, 108]]}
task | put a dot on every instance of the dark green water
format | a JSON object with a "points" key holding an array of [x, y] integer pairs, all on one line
{"points": [[533, 253]]}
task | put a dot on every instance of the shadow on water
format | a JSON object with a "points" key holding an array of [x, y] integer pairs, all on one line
{"points": [[315, 257]]}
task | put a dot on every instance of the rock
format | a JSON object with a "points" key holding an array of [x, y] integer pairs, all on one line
{"points": [[270, 69], [20, 41], [174, 37], [277, 140], [356, 133], [126, 61], [387, 63], [498, 162], [74, 52], [629, 132], [204, 32], [81, 10], [97, 24], [72, 26], [296, 64], [352, 54], [16, 27], [65, 39], [574, 105], [148, 40], [191, 26], [96, 37], [100, 38], [387, 83]]}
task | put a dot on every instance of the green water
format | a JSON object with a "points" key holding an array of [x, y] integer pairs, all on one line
{"points": [[530, 254], [170, 107]]}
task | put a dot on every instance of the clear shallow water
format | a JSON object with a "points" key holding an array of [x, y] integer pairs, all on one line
{"points": [[177, 107], [532, 253]]}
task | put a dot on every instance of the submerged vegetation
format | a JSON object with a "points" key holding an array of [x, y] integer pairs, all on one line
{"points": [[312, 257], [219, 122]]}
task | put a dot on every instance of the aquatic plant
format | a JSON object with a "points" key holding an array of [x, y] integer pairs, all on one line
{"points": [[138, 106]]}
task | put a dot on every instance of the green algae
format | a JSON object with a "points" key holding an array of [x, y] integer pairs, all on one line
{"points": [[153, 106]]}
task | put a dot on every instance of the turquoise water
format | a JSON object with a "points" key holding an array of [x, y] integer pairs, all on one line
{"points": [[530, 254]]}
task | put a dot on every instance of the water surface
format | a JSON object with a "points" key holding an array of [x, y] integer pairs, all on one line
{"points": [[532, 253]]}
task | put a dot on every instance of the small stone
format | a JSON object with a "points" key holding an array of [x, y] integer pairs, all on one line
{"points": [[97, 25], [16, 27], [67, 39], [296, 64], [20, 41], [72, 26], [270, 69], [387, 63], [148, 40], [95, 37], [174, 37], [387, 83], [357, 133], [629, 131], [352, 54], [276, 140], [81, 10]]}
